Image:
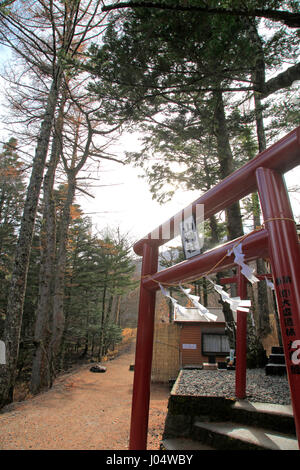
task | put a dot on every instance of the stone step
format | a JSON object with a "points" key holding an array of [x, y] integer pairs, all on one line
{"points": [[233, 436], [266, 408], [230, 424], [275, 416], [222, 365], [209, 366], [276, 359], [193, 367], [182, 443], [268, 415], [275, 369], [277, 350]]}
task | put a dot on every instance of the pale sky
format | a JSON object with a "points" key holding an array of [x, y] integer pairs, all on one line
{"points": [[130, 205]]}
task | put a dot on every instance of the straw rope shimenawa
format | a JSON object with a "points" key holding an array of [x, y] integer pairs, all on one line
{"points": [[187, 280]]}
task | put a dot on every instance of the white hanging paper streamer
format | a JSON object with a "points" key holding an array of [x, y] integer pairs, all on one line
{"points": [[177, 308], [239, 259], [166, 293], [195, 301], [201, 310], [269, 283], [235, 302]]}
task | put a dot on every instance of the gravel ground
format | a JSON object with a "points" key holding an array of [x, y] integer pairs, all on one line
{"points": [[259, 387]]}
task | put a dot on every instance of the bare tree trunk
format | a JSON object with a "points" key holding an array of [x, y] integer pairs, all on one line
{"points": [[86, 339], [16, 296], [67, 311], [233, 213], [58, 319], [263, 324], [101, 336], [40, 376], [117, 311]]}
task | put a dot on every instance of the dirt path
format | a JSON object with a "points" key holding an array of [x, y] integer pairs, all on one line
{"points": [[83, 411]]}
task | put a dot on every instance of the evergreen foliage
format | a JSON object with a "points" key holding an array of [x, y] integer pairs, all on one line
{"points": [[12, 190]]}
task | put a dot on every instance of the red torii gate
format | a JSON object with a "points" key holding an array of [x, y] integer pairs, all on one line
{"points": [[277, 241]]}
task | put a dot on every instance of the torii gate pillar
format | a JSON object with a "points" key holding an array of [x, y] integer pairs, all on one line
{"points": [[284, 253], [143, 355]]}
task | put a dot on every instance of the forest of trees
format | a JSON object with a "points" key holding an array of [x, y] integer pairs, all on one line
{"points": [[206, 87], [97, 273], [60, 280]]}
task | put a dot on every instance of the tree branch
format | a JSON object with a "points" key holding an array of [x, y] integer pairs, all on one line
{"points": [[292, 20], [84, 191], [282, 80]]}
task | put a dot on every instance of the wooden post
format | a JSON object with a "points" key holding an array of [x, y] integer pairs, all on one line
{"points": [[143, 355]]}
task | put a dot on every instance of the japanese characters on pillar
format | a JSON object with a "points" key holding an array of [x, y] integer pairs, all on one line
{"points": [[285, 301]]}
